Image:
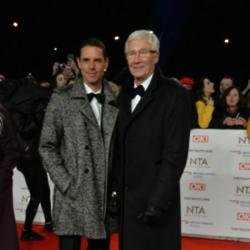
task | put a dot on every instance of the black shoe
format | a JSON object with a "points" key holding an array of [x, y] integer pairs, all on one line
{"points": [[30, 235], [48, 227]]}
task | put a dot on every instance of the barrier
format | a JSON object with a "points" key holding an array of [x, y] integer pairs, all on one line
{"points": [[21, 198], [215, 186]]}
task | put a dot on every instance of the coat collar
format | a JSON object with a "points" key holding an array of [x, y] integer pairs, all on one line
{"points": [[79, 93], [144, 102]]}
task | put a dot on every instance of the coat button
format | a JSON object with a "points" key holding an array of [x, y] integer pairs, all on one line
{"points": [[87, 147], [86, 171]]}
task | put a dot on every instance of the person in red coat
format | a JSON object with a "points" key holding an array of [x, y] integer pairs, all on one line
{"points": [[151, 150], [9, 154]]}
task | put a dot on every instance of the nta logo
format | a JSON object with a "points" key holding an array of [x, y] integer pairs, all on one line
{"points": [[195, 210], [244, 140], [244, 190], [198, 161]]}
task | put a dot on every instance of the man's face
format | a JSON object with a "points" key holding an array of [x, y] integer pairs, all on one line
{"points": [[225, 83], [141, 59], [92, 65]]}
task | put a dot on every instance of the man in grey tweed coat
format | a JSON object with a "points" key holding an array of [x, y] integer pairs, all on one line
{"points": [[75, 148]]}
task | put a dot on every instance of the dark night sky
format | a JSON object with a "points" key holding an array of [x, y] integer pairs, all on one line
{"points": [[192, 33]]}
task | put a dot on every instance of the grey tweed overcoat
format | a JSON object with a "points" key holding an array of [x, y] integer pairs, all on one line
{"points": [[76, 154]]}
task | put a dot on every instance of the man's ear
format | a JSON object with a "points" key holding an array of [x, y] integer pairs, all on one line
{"points": [[107, 64], [157, 56]]}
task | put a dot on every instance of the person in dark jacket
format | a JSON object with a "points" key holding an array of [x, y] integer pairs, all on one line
{"points": [[9, 154], [151, 150], [27, 109]]}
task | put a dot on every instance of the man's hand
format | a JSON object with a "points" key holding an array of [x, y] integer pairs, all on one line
{"points": [[151, 216]]}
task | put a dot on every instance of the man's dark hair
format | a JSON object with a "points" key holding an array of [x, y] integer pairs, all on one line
{"points": [[96, 43]]}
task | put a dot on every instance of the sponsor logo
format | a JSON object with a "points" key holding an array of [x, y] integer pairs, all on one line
{"points": [[244, 204], [243, 141], [243, 216], [195, 211], [234, 201], [200, 138], [202, 174], [185, 221], [197, 186], [197, 223], [244, 166], [196, 198], [201, 150], [240, 229], [20, 210], [187, 172], [236, 152], [241, 178]]}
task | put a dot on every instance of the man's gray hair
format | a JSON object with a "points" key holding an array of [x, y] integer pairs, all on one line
{"points": [[148, 35]]}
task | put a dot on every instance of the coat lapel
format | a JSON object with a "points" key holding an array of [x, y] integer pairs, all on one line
{"points": [[145, 101], [110, 111]]}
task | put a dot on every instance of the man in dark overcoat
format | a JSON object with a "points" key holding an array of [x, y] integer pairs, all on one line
{"points": [[75, 147], [9, 154], [151, 150]]}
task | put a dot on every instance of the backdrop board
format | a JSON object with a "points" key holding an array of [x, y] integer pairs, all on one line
{"points": [[215, 185]]}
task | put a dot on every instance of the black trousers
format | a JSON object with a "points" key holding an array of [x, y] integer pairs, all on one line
{"points": [[74, 243], [37, 182]]}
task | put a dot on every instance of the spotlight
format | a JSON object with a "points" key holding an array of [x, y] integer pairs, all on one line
{"points": [[226, 41], [15, 24]]}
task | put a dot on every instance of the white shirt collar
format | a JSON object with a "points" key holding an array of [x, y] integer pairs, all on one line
{"points": [[146, 83], [89, 90]]}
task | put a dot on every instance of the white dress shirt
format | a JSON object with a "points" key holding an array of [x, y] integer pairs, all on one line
{"points": [[95, 105], [137, 98]]}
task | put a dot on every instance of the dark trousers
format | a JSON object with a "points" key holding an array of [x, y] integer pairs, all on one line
{"points": [[74, 243], [37, 182]]}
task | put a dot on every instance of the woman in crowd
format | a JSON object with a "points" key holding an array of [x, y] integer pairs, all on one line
{"points": [[248, 128], [204, 90], [232, 114]]}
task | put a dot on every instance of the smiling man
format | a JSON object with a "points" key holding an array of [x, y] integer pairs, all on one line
{"points": [[75, 147], [151, 150]]}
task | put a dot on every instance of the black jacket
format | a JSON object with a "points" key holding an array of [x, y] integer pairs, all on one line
{"points": [[151, 153]]}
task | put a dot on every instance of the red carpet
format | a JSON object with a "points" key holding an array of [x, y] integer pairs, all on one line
{"points": [[50, 243]]}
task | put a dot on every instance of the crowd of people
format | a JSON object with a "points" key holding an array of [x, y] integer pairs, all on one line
{"points": [[115, 152], [224, 107]]}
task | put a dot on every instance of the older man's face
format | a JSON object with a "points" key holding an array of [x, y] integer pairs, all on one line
{"points": [[141, 59]]}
